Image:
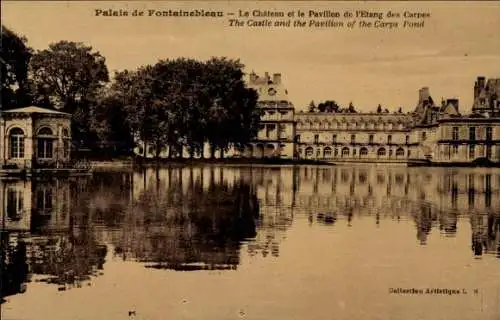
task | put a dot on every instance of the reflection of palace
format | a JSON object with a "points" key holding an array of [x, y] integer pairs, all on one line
{"points": [[39, 237], [196, 218], [437, 132], [434, 198]]}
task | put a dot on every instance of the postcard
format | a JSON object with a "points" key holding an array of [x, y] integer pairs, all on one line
{"points": [[250, 160]]}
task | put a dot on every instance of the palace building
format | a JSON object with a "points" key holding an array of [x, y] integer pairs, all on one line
{"points": [[34, 137], [436, 133]]}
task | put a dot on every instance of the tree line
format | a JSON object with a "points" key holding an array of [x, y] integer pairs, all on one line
{"points": [[331, 106], [182, 103]]}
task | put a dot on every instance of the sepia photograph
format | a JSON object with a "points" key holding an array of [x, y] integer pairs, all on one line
{"points": [[258, 160]]}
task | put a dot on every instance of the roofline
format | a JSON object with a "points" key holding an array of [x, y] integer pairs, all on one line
{"points": [[49, 111]]}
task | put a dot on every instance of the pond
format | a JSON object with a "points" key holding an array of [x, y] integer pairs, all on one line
{"points": [[242, 242]]}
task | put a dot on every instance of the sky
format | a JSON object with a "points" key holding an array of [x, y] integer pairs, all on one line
{"points": [[459, 42]]}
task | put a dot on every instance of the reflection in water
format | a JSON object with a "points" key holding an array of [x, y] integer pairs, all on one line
{"points": [[199, 218], [42, 236], [178, 224]]}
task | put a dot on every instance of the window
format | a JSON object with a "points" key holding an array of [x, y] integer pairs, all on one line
{"points": [[354, 152], [327, 153], [400, 152], [488, 152], [44, 199], [407, 139], [16, 143], [363, 152], [334, 138], [66, 148], [489, 133], [14, 204], [472, 151], [309, 152], [353, 138], [455, 150], [472, 133], [389, 139], [424, 136], [345, 152], [381, 152], [316, 138], [297, 138], [45, 143], [455, 133], [370, 138]]}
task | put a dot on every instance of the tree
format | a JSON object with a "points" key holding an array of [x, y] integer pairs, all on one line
{"points": [[185, 103], [15, 56], [328, 106], [331, 106], [312, 107], [321, 107], [108, 122], [142, 114], [68, 76], [351, 108], [228, 98]]}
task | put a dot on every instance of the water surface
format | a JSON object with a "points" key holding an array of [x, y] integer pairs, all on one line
{"points": [[211, 242]]}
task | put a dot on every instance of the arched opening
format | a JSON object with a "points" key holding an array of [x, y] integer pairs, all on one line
{"points": [[363, 152], [381, 152], [259, 151], [309, 152], [16, 143], [345, 152], [248, 151], [400, 152], [270, 151], [327, 153], [45, 143]]}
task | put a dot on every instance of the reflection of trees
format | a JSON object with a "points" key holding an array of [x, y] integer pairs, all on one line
{"points": [[190, 228], [58, 242], [67, 260], [13, 266]]}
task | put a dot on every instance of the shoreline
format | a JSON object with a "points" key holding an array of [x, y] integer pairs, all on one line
{"points": [[120, 164], [149, 162]]}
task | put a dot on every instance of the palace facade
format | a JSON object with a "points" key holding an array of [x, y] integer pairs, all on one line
{"points": [[436, 133]]}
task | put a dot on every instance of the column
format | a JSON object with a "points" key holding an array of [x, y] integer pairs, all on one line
{"points": [[29, 143], [3, 141]]}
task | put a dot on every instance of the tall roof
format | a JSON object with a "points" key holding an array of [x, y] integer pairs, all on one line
{"points": [[34, 109]]}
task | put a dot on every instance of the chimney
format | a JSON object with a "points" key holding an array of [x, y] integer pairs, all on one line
{"points": [[267, 79], [476, 89], [480, 82], [277, 78], [424, 94], [253, 77]]}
